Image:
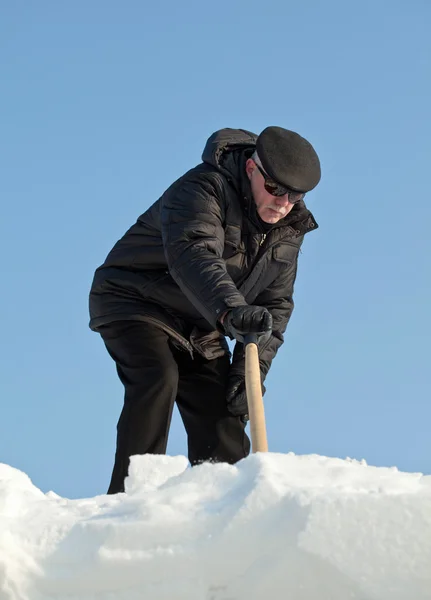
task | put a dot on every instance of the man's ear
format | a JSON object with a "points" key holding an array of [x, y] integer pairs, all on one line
{"points": [[250, 167]]}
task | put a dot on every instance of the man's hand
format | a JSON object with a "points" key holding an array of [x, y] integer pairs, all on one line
{"points": [[236, 397], [242, 320]]}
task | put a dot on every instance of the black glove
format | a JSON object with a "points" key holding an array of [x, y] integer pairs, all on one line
{"points": [[236, 397], [242, 320]]}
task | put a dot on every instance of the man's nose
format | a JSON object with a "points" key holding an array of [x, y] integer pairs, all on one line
{"points": [[282, 200]]}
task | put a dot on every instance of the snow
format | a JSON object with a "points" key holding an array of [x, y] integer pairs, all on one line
{"points": [[271, 526]]}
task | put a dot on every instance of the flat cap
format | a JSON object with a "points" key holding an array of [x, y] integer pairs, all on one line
{"points": [[288, 158]]}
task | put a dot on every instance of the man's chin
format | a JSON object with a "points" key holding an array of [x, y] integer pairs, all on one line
{"points": [[271, 217]]}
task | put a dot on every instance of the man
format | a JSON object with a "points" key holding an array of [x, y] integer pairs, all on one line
{"points": [[215, 256]]}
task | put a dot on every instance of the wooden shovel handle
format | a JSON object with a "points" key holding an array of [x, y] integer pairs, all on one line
{"points": [[253, 388]]}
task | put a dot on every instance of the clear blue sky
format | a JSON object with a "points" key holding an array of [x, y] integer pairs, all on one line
{"points": [[104, 104]]}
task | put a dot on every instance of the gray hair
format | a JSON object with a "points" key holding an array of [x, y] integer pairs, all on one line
{"points": [[256, 159]]}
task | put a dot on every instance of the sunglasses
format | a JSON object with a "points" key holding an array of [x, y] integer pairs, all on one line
{"points": [[276, 189]]}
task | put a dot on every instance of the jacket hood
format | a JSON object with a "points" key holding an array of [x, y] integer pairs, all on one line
{"points": [[226, 140]]}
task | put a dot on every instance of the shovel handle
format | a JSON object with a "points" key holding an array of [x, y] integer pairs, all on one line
{"points": [[253, 388]]}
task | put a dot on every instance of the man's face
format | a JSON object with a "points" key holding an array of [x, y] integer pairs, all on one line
{"points": [[269, 208]]}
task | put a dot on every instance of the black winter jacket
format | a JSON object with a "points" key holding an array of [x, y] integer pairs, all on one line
{"points": [[201, 249]]}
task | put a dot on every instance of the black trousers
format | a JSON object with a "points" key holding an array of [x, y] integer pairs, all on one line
{"points": [[155, 374]]}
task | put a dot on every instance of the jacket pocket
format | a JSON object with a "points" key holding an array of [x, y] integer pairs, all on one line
{"points": [[285, 253], [156, 278]]}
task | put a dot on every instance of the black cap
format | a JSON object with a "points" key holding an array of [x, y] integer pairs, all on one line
{"points": [[288, 158]]}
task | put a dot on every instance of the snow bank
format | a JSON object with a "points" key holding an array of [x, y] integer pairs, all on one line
{"points": [[272, 526]]}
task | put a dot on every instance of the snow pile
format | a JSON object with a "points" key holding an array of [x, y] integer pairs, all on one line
{"points": [[272, 526]]}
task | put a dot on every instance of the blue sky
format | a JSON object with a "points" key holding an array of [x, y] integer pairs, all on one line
{"points": [[104, 104]]}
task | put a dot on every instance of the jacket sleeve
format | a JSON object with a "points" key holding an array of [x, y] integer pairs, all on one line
{"points": [[193, 241], [278, 299]]}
